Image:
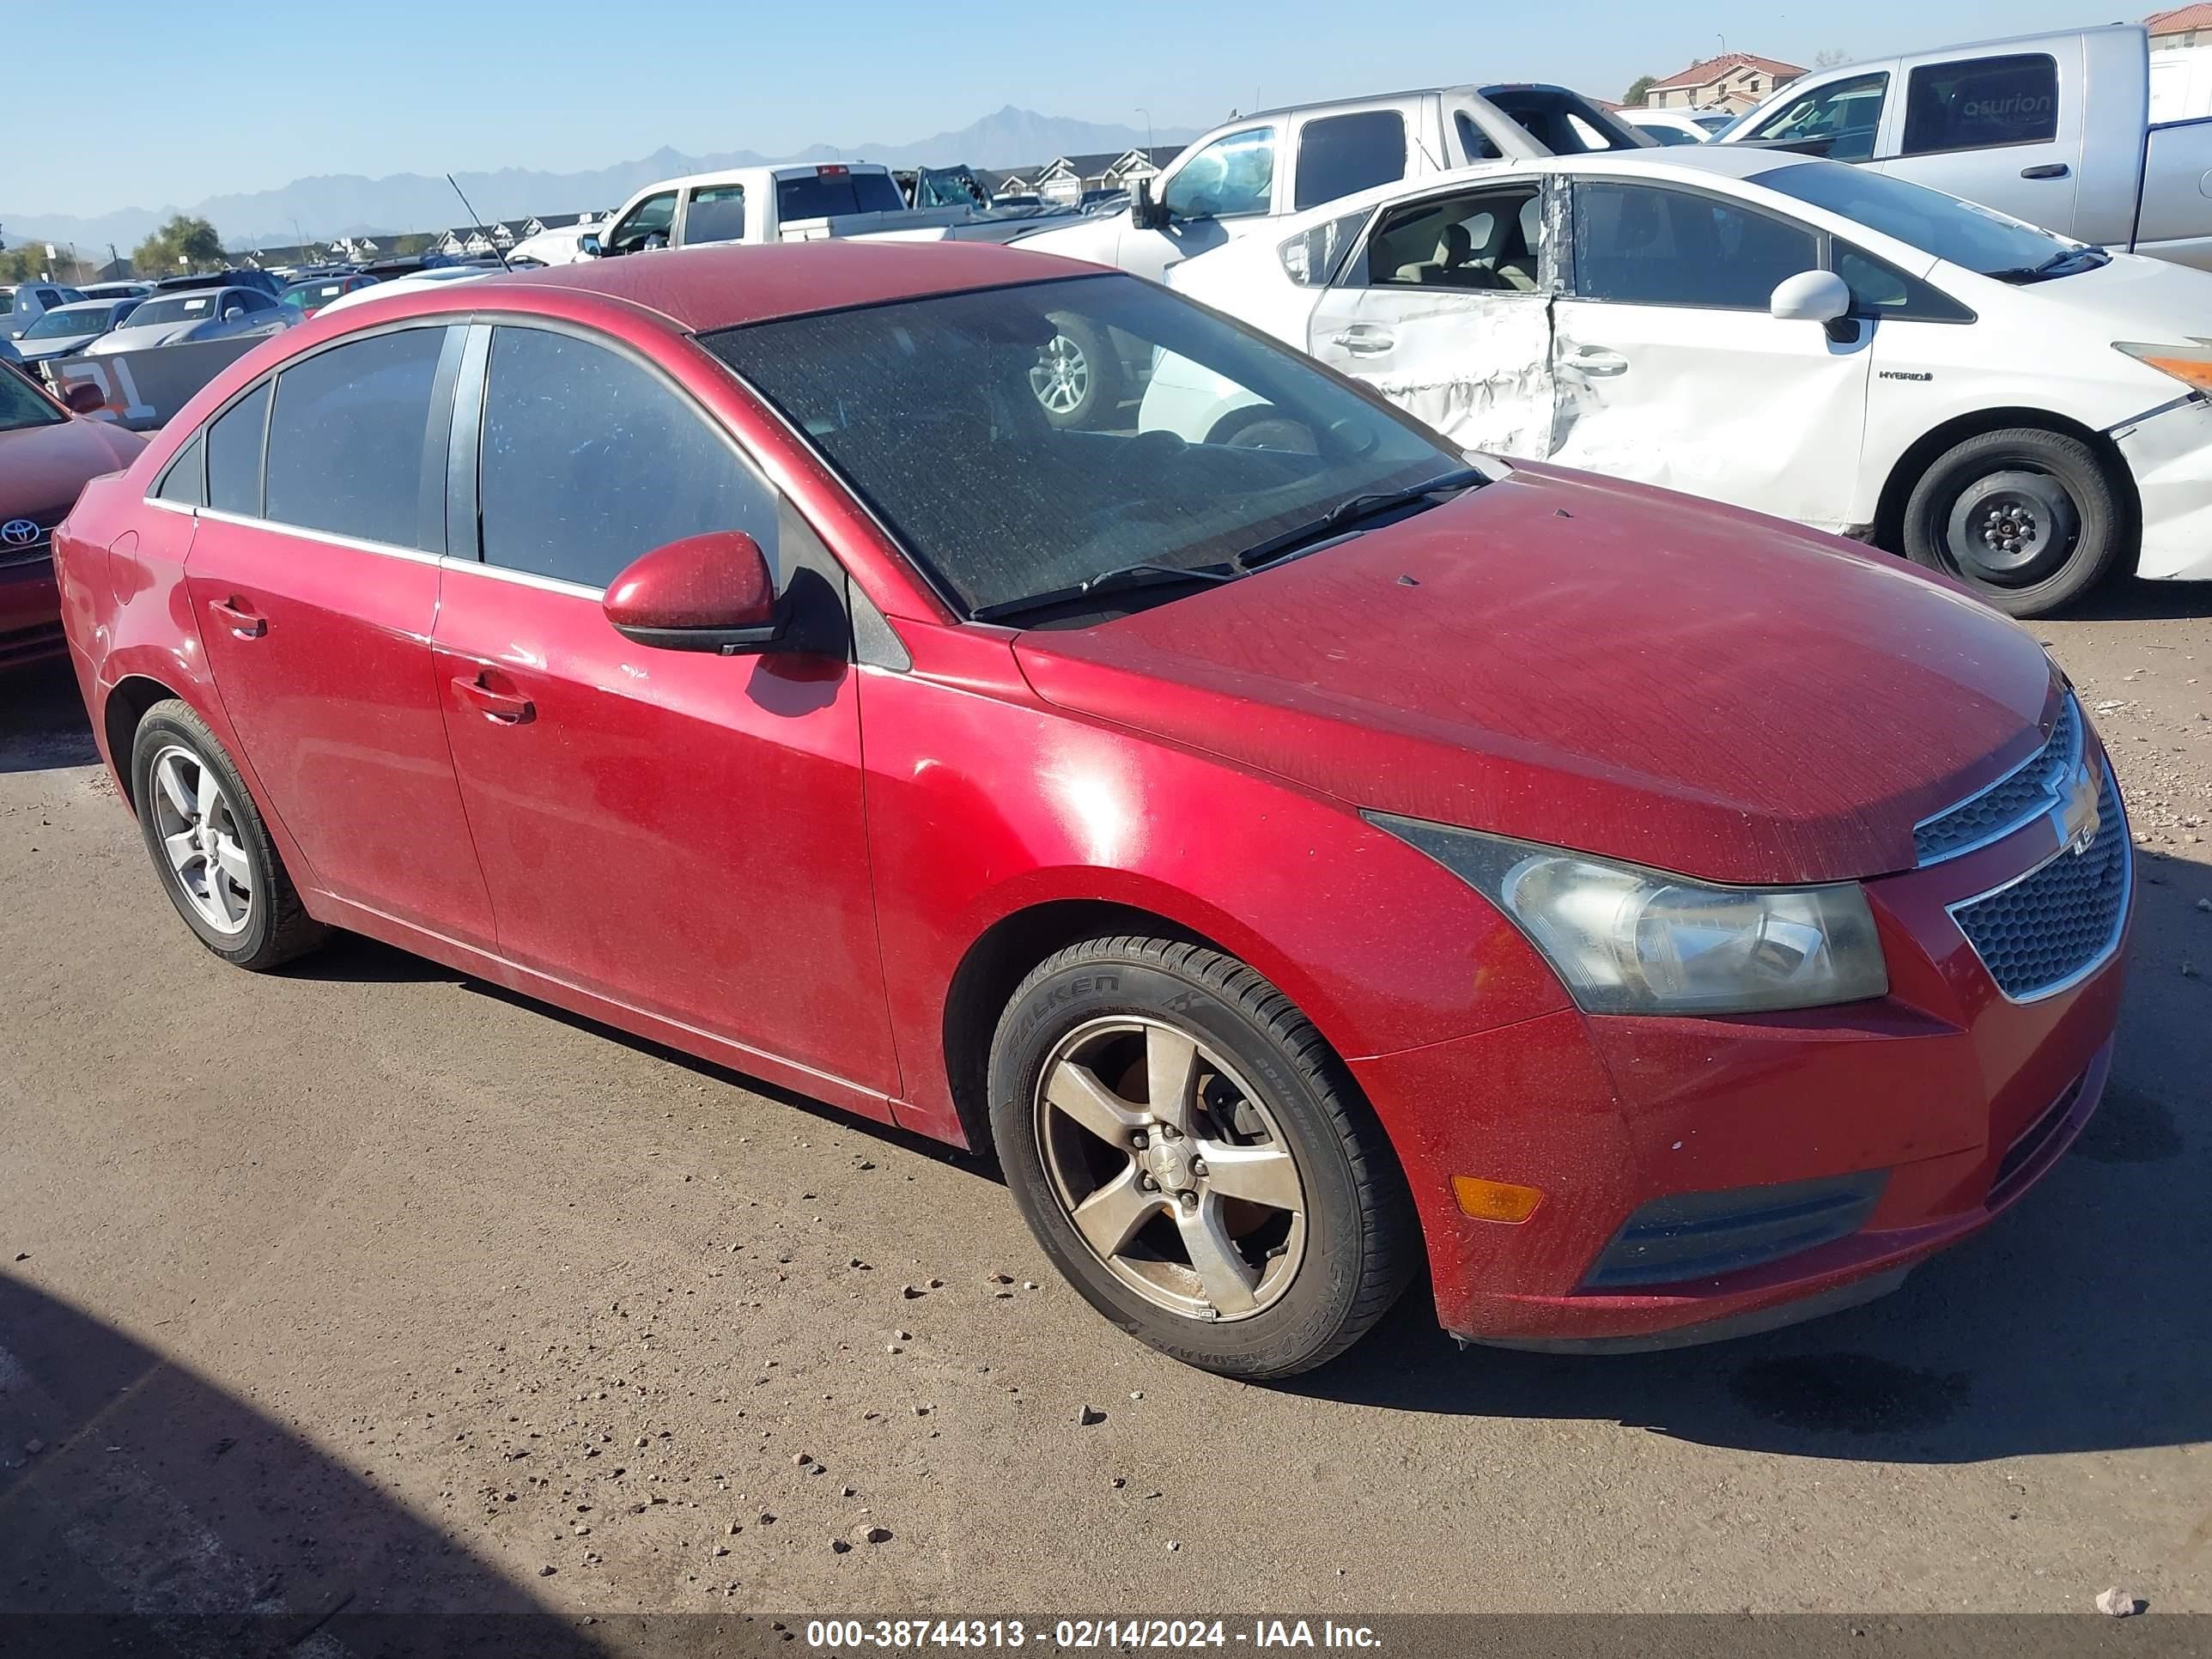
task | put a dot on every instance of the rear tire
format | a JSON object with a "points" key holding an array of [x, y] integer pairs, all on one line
{"points": [[1255, 1222], [211, 848], [2029, 518]]}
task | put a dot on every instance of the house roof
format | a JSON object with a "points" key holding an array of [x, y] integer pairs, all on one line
{"points": [[1710, 69], [2178, 20]]}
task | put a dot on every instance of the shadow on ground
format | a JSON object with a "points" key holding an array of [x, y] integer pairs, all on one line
{"points": [[42, 721], [144, 1509]]}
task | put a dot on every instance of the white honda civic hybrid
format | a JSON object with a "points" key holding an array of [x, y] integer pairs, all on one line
{"points": [[2028, 414]]}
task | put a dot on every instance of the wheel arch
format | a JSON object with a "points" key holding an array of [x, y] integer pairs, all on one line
{"points": [[1921, 452], [120, 715]]}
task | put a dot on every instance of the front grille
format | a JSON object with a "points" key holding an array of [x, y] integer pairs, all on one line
{"points": [[1704, 1235], [2050, 927], [2030, 788]]}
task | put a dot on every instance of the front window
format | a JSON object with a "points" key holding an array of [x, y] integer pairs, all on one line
{"points": [[644, 225], [22, 406], [1233, 176], [1639, 245], [59, 325], [1958, 232], [1010, 506], [1838, 120]]}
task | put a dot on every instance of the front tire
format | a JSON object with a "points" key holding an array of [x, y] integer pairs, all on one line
{"points": [[211, 848], [2026, 518], [1194, 1159], [1078, 379]]}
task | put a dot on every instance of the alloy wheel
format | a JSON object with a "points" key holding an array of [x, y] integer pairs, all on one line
{"points": [[1061, 378], [198, 827], [1171, 1169]]}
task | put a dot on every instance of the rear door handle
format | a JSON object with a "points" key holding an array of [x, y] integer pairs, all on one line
{"points": [[1595, 360], [2048, 170], [244, 621], [1364, 341], [500, 708]]}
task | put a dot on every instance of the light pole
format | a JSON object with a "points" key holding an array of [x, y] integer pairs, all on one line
{"points": [[1147, 114]]}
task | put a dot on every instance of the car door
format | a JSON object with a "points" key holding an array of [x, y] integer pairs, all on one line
{"points": [[1995, 129], [314, 578], [1447, 311], [647, 225], [679, 831], [1669, 368], [1218, 192]]}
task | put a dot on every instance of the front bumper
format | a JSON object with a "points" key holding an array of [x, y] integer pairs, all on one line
{"points": [[2169, 452], [1940, 1103], [30, 611]]}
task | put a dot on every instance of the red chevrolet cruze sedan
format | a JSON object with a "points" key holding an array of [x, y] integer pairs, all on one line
{"points": [[1300, 866]]}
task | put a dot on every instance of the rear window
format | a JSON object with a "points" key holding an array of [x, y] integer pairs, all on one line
{"points": [[1982, 103], [346, 442], [816, 196], [183, 308], [1342, 155]]}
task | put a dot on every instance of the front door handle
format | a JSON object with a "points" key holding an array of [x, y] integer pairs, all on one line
{"points": [[1595, 360], [1364, 341], [2048, 170], [242, 619], [500, 708]]}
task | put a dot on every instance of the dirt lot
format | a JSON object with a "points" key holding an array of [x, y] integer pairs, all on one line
{"points": [[368, 1282]]}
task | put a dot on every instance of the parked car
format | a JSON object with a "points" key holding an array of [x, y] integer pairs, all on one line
{"points": [[310, 296], [1678, 127], [1260, 852], [434, 276], [1787, 334], [562, 245], [238, 277], [2053, 128], [70, 328], [29, 301], [194, 314], [47, 453], [116, 290]]}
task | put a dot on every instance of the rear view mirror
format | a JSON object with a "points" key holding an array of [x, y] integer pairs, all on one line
{"points": [[83, 397], [710, 592], [1145, 213], [1810, 296]]}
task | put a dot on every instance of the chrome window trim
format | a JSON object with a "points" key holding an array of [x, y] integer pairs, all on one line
{"points": [[328, 538], [2105, 951], [2072, 761], [522, 578]]}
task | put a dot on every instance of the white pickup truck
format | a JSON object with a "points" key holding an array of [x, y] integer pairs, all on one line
{"points": [[2054, 129], [799, 203]]}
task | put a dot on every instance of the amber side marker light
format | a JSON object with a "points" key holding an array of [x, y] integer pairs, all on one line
{"points": [[2192, 365], [1495, 1201]]}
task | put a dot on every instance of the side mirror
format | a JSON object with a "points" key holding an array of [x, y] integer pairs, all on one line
{"points": [[710, 592], [1145, 213], [83, 397], [1811, 296], [233, 310], [588, 245]]}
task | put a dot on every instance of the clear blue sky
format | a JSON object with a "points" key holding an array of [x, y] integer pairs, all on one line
{"points": [[181, 109]]}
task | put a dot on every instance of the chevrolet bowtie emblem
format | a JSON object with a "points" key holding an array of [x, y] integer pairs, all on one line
{"points": [[2075, 817]]}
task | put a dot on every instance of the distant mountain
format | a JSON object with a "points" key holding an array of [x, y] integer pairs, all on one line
{"points": [[349, 204]]}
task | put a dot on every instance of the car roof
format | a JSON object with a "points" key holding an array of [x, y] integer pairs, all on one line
{"points": [[108, 304], [706, 288]]}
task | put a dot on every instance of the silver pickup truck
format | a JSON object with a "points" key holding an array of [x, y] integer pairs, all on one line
{"points": [[2054, 129]]}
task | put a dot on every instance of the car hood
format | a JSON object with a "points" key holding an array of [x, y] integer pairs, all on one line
{"points": [[42, 468], [1592, 665], [2132, 298], [153, 334], [37, 351]]}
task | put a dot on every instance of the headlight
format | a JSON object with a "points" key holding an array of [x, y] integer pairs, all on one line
{"points": [[1631, 941], [2192, 365]]}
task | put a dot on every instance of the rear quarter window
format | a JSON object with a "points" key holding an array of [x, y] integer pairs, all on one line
{"points": [[1343, 154], [233, 454]]}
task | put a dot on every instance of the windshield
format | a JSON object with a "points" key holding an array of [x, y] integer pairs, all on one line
{"points": [[1022, 494], [314, 293], [185, 308], [818, 195], [21, 405], [1979, 238], [57, 325]]}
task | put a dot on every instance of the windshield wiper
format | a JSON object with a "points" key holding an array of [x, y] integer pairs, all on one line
{"points": [[1351, 510], [2054, 266], [1125, 575]]}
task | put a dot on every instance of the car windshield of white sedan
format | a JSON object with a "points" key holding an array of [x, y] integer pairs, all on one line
{"points": [[22, 406], [1958, 232], [185, 309], [954, 418]]}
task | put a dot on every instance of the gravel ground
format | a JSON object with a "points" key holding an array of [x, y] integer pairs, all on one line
{"points": [[366, 1285]]}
